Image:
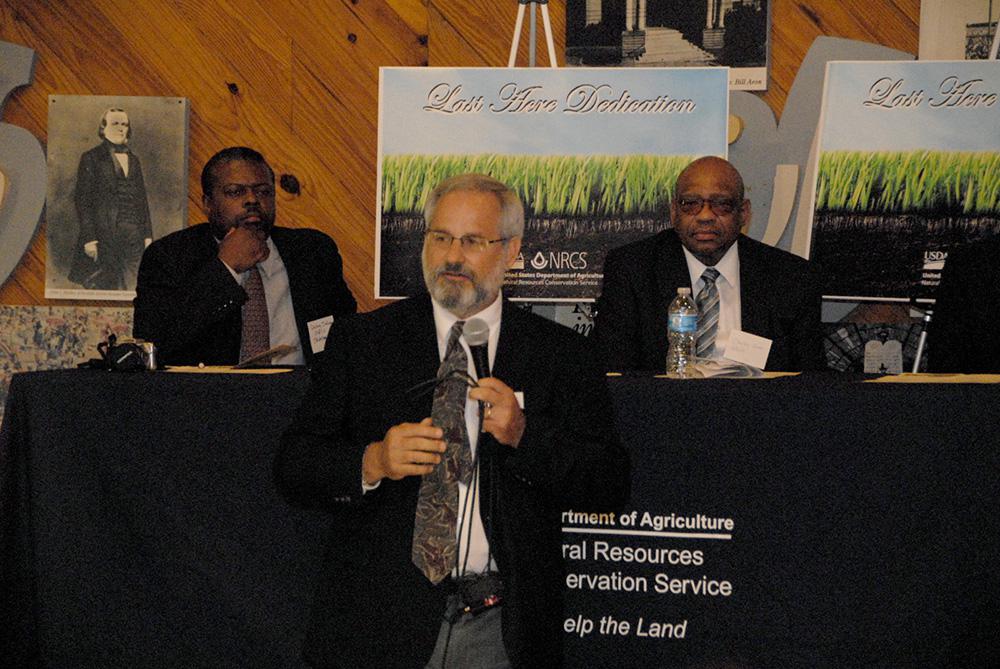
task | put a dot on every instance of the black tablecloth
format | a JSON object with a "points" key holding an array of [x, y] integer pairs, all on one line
{"points": [[141, 527], [865, 518]]}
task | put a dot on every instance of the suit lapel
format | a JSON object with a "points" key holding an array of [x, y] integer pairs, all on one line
{"points": [[671, 270], [753, 289], [416, 344], [298, 286], [509, 364]]}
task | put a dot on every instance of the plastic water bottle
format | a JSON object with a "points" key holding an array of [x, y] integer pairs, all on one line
{"points": [[681, 332]]}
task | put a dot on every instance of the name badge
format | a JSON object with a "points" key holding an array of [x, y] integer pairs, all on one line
{"points": [[747, 348], [318, 329]]}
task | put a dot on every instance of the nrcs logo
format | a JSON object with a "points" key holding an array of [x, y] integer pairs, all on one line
{"points": [[560, 260]]}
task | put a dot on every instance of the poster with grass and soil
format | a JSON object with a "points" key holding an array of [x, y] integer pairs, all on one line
{"points": [[592, 152], [909, 168]]}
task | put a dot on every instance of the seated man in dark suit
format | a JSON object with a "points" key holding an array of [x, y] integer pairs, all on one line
{"points": [[757, 289], [236, 286], [964, 333], [446, 543]]}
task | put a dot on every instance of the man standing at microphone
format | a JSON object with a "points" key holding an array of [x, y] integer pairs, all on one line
{"points": [[446, 547]]}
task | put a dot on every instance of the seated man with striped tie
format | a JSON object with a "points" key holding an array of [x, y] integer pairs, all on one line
{"points": [[237, 286], [446, 433], [739, 284]]}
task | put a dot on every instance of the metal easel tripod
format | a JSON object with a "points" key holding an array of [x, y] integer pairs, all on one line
{"points": [[532, 37]]}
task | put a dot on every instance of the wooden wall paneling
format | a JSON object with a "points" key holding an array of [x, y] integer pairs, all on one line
{"points": [[478, 33], [307, 80], [234, 46], [341, 183], [414, 14], [337, 52], [402, 35], [447, 47]]}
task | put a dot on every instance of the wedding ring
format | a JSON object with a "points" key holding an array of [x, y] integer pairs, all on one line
{"points": [[489, 410]]}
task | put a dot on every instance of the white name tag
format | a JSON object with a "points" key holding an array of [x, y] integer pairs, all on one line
{"points": [[748, 349], [318, 329]]}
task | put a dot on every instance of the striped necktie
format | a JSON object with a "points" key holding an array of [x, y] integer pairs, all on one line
{"points": [[434, 550], [708, 314]]}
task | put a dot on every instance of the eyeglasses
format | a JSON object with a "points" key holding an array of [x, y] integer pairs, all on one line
{"points": [[720, 206], [471, 244], [236, 191]]}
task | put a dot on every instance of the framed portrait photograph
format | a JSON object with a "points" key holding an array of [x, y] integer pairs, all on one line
{"points": [[117, 180]]}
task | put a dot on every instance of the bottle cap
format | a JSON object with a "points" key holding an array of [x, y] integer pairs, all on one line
{"points": [[684, 291]]}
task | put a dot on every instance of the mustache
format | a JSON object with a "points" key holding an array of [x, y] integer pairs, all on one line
{"points": [[453, 268]]}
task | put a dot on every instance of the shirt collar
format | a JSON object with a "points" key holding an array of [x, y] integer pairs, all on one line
{"points": [[444, 320], [268, 266], [272, 263], [728, 267]]}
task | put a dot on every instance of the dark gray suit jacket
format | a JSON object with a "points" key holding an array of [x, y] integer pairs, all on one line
{"points": [[189, 304], [964, 333], [780, 299], [373, 606]]}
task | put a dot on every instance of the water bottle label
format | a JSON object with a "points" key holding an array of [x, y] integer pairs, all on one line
{"points": [[683, 322]]}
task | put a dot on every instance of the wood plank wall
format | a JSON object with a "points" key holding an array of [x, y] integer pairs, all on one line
{"points": [[306, 82]]}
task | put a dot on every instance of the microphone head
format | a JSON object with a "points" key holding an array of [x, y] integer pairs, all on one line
{"points": [[476, 332]]}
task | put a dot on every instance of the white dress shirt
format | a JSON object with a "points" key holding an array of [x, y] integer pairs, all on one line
{"points": [[122, 159], [728, 285]]}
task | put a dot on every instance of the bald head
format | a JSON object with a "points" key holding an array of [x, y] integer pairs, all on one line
{"points": [[721, 169]]}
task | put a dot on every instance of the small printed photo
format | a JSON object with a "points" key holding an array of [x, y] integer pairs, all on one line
{"points": [[117, 180], [958, 29], [672, 33]]}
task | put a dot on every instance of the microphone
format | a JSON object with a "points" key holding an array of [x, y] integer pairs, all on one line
{"points": [[477, 334]]}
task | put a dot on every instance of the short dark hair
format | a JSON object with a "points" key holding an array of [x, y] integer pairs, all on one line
{"points": [[228, 155]]}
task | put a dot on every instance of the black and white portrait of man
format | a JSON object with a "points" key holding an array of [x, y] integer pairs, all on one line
{"points": [[109, 201], [111, 208]]}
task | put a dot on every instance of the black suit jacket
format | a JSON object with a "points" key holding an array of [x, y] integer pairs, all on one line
{"points": [[964, 333], [780, 299], [373, 606], [189, 304]]}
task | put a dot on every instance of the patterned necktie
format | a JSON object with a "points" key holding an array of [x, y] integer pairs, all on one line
{"points": [[256, 336], [434, 547], [708, 314]]}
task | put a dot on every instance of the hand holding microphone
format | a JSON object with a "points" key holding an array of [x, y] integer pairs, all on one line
{"points": [[502, 415]]}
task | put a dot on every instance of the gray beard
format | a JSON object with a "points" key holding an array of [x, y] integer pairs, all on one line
{"points": [[463, 300]]}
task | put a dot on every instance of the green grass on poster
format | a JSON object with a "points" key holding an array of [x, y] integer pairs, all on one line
{"points": [[586, 185], [933, 182]]}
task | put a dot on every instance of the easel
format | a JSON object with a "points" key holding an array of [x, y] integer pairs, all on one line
{"points": [[532, 37]]}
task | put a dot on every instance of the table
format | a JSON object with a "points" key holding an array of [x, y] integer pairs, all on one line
{"points": [[865, 526], [141, 526]]}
